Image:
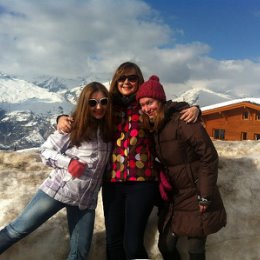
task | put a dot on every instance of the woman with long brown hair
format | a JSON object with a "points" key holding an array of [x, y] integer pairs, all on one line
{"points": [[78, 160], [130, 188]]}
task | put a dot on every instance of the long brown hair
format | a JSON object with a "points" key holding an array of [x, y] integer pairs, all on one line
{"points": [[157, 122], [84, 126], [120, 72]]}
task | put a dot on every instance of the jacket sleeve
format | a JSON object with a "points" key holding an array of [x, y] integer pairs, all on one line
{"points": [[52, 150], [199, 142], [179, 106]]}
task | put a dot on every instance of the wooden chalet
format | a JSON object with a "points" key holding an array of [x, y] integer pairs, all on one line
{"points": [[234, 120]]}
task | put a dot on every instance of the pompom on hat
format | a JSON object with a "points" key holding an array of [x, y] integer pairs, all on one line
{"points": [[151, 88]]}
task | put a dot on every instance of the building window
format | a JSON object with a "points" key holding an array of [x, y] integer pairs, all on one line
{"points": [[257, 136], [219, 134], [244, 136], [257, 115], [245, 115]]}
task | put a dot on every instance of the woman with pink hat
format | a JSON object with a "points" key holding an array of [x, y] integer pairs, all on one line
{"points": [[193, 206]]}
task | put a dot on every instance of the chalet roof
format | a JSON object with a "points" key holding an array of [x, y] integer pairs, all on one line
{"points": [[255, 101]]}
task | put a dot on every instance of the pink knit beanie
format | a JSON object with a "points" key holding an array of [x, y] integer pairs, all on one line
{"points": [[151, 88]]}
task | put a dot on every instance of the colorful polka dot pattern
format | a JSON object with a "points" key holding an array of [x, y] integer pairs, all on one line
{"points": [[132, 152]]}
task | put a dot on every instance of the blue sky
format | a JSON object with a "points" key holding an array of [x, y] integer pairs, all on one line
{"points": [[212, 44], [229, 27]]}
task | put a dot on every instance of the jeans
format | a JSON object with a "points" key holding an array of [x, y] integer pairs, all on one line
{"points": [[38, 211], [127, 207]]}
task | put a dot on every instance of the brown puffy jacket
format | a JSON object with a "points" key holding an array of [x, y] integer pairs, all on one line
{"points": [[191, 164]]}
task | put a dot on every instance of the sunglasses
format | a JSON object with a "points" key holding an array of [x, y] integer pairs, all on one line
{"points": [[93, 102], [131, 78]]}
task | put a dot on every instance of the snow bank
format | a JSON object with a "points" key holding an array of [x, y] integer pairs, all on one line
{"points": [[239, 179]]}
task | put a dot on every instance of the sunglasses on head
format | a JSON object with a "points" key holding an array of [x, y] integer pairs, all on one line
{"points": [[131, 78], [93, 102]]}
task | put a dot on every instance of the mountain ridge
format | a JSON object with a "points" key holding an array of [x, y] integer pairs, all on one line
{"points": [[28, 110]]}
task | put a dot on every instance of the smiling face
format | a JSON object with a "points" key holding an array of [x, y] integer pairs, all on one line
{"points": [[98, 109], [128, 83], [150, 107]]}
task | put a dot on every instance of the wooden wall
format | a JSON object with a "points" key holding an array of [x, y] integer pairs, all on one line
{"points": [[233, 123]]}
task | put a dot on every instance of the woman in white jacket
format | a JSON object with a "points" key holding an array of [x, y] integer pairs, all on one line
{"points": [[78, 160]]}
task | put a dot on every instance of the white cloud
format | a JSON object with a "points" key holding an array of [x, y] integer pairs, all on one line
{"points": [[91, 38]]}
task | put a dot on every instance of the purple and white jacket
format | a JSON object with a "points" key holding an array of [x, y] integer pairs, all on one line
{"points": [[60, 185]]}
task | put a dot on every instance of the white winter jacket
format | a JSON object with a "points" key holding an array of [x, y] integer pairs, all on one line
{"points": [[60, 185]]}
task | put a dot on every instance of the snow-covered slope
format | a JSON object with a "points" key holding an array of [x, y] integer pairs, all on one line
{"points": [[40, 104], [28, 112], [203, 97], [17, 94], [52, 84]]}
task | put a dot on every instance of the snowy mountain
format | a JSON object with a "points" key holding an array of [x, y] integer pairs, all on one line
{"points": [[28, 110], [17, 94], [52, 84], [23, 129], [56, 84], [204, 97]]}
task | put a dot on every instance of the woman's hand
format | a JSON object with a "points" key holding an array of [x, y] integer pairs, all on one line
{"points": [[190, 115], [64, 124]]}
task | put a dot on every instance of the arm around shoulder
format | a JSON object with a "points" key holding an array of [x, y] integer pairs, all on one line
{"points": [[64, 123]]}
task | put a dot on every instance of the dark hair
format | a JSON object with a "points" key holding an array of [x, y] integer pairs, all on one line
{"points": [[120, 72], [84, 125]]}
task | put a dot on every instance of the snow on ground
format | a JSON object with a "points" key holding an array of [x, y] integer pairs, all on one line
{"points": [[239, 181]]}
